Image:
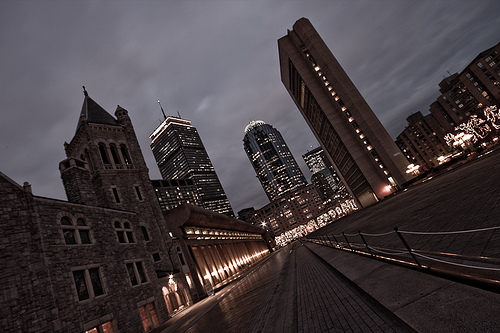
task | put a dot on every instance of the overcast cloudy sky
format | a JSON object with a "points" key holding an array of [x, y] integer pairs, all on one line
{"points": [[216, 63]]}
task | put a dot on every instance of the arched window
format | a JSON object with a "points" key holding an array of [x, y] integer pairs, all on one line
{"points": [[125, 155], [78, 233], [104, 154], [114, 154]]}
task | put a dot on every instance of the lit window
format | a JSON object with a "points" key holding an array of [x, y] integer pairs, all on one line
{"points": [[88, 283], [149, 316], [78, 233], [107, 327], [317, 68], [136, 273], [124, 232]]}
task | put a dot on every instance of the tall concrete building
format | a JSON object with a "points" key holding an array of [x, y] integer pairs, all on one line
{"points": [[276, 169], [364, 155], [180, 154]]}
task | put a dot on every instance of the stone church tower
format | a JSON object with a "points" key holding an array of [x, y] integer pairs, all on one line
{"points": [[104, 165]]}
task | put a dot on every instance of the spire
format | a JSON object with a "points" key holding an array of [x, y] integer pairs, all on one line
{"points": [[94, 113], [164, 116]]}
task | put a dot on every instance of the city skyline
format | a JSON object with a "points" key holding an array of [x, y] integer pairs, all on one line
{"points": [[215, 69]]}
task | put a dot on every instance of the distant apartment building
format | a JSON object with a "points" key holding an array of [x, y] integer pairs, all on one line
{"points": [[174, 192], [422, 141], [290, 210], [364, 155], [180, 154], [274, 164], [323, 176], [470, 91]]}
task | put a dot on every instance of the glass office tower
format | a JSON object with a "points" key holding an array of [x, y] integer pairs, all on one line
{"points": [[276, 169], [180, 154]]}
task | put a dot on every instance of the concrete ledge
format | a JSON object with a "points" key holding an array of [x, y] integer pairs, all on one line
{"points": [[424, 302]]}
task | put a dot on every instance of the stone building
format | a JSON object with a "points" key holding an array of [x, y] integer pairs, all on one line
{"points": [[213, 247], [102, 260]]}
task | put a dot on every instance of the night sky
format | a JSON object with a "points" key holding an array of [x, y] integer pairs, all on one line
{"points": [[216, 63]]}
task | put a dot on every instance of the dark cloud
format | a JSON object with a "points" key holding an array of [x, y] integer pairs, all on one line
{"points": [[216, 63]]}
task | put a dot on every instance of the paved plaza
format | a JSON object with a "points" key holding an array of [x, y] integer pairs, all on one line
{"points": [[306, 287], [292, 291], [465, 198]]}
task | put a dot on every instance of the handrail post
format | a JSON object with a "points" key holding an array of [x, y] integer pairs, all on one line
{"points": [[366, 244], [347, 240], [338, 244], [407, 246], [331, 245]]}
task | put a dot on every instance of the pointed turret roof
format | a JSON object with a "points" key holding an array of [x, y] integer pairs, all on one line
{"points": [[94, 113]]}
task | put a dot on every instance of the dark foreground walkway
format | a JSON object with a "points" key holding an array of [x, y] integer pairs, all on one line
{"points": [[292, 291]]}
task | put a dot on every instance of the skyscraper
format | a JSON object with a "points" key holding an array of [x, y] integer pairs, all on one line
{"points": [[180, 154], [323, 174], [364, 155], [276, 169]]}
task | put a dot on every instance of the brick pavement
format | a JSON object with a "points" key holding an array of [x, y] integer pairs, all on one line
{"points": [[467, 197], [291, 291], [328, 303]]}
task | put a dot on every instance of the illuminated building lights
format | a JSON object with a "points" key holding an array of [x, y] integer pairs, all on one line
{"points": [[317, 68], [369, 147]]}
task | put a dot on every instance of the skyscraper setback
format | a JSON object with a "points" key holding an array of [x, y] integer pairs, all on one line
{"points": [[364, 155], [276, 169], [180, 154]]}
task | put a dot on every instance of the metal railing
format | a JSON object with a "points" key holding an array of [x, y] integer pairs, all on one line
{"points": [[394, 246]]}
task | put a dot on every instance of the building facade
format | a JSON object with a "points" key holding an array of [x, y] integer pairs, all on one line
{"points": [[290, 210], [216, 247], [467, 93], [180, 154], [174, 192], [276, 168], [422, 141], [365, 157], [323, 176]]}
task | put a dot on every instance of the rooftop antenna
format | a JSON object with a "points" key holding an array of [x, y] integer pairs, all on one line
{"points": [[85, 91], [164, 116], [179, 115]]}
